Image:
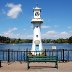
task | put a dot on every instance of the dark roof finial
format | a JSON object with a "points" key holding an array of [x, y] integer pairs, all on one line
{"points": [[37, 4]]}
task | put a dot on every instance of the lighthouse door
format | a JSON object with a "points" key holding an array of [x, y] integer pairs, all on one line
{"points": [[37, 48]]}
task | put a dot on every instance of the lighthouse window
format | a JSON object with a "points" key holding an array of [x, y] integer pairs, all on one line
{"points": [[37, 45], [36, 35], [36, 26]]}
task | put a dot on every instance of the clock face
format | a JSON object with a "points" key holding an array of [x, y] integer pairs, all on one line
{"points": [[37, 14]]}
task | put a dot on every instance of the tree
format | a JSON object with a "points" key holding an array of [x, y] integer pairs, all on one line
{"points": [[70, 39]]}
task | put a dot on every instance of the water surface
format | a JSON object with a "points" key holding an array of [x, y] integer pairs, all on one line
{"points": [[23, 46]]}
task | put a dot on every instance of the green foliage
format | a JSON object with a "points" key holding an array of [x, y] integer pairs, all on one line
{"points": [[9, 40], [70, 39], [4, 39]]}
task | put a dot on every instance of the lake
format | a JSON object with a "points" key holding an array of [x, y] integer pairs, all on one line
{"points": [[19, 54], [23, 46]]}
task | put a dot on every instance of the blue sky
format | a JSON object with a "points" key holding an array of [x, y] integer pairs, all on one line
{"points": [[16, 15]]}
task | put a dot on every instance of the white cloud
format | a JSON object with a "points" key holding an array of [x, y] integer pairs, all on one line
{"points": [[64, 35], [29, 36], [45, 27], [55, 34], [9, 33], [14, 10], [23, 36], [50, 34]]}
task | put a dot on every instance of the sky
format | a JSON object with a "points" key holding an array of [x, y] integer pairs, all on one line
{"points": [[16, 16]]}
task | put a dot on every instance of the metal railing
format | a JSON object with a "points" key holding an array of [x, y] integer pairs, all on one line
{"points": [[11, 55]]}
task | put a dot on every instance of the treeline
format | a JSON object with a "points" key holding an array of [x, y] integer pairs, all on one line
{"points": [[10, 40], [60, 40]]}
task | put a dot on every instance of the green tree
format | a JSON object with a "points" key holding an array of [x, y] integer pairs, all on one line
{"points": [[70, 39]]}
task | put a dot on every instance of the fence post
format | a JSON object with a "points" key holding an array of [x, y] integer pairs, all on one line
{"points": [[21, 55], [17, 55], [8, 55], [3, 55], [45, 52], [36, 52], [63, 55], [0, 64], [26, 54], [57, 53], [68, 55]]}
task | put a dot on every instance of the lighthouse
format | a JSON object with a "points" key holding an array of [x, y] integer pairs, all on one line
{"points": [[37, 21]]}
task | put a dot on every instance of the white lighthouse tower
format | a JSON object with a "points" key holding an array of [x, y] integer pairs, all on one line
{"points": [[37, 21]]}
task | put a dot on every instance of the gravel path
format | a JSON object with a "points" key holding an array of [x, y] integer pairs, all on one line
{"points": [[36, 67]]}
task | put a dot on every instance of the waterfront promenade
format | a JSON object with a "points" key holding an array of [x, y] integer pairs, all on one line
{"points": [[36, 67]]}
